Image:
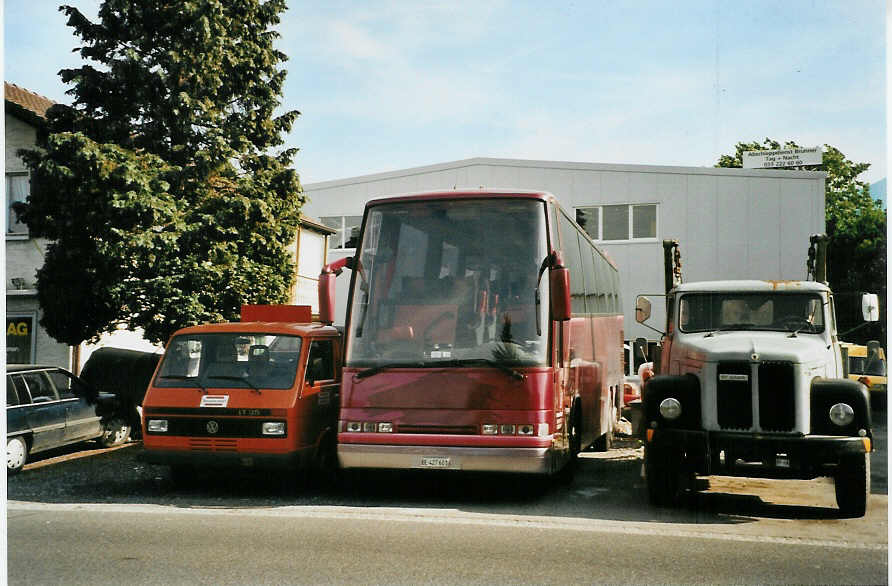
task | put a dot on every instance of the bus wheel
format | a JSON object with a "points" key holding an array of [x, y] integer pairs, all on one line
{"points": [[574, 440], [662, 477], [852, 483]]}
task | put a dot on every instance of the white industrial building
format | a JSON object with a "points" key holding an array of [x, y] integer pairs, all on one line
{"points": [[731, 223]]}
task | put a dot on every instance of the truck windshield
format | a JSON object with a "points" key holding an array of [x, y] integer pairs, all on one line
{"points": [[230, 360], [450, 282], [786, 312]]}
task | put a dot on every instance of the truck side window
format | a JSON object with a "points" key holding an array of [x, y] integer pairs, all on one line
{"points": [[320, 364]]}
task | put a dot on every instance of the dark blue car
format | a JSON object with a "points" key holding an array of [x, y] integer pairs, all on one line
{"points": [[48, 407]]}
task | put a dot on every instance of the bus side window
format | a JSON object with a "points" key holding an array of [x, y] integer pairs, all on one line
{"points": [[320, 363]]}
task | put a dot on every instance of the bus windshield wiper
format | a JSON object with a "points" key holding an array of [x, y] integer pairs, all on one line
{"points": [[243, 379], [376, 369], [480, 361]]}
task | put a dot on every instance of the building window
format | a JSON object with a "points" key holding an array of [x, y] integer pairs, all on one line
{"points": [[619, 222], [17, 190], [347, 228]]}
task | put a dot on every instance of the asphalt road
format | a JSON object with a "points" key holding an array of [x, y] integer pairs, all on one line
{"points": [[107, 518]]}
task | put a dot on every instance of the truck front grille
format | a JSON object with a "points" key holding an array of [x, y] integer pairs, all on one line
{"points": [[733, 396], [777, 404], [776, 396]]}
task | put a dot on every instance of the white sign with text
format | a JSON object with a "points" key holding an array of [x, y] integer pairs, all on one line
{"points": [[782, 158]]}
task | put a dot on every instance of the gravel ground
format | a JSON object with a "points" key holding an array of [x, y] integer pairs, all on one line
{"points": [[85, 474]]}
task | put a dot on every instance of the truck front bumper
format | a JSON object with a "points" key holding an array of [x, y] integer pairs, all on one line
{"points": [[756, 455], [198, 459]]}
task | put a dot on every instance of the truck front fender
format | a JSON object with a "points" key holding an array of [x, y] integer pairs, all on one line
{"points": [[827, 392], [685, 389]]}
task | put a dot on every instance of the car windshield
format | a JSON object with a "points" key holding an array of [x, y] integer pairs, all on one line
{"points": [[450, 280], [785, 312], [230, 360]]}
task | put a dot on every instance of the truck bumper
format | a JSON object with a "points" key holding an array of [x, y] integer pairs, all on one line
{"points": [[518, 460], [756, 455], [198, 459]]}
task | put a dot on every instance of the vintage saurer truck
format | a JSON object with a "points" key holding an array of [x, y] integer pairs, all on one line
{"points": [[749, 382], [259, 393]]}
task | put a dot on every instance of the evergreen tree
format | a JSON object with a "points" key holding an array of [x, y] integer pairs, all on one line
{"points": [[163, 187]]}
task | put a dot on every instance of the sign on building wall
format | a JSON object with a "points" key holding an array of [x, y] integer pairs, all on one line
{"points": [[782, 158], [19, 339]]}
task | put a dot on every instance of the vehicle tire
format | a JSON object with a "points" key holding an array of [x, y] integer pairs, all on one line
{"points": [[605, 442], [852, 483], [661, 474], [326, 465], [574, 440], [16, 454], [115, 432]]}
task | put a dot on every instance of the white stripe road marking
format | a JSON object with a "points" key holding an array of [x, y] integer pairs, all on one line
{"points": [[452, 517]]}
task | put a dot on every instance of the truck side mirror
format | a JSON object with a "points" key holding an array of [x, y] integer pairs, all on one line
{"points": [[870, 307], [559, 279], [642, 309]]}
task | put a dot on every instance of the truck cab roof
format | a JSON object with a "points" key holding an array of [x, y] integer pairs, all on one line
{"points": [[753, 286], [304, 330]]}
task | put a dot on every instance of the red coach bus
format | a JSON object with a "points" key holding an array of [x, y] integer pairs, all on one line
{"points": [[483, 332]]}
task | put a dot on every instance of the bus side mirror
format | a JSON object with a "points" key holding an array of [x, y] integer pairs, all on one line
{"points": [[559, 279], [870, 307], [642, 309], [326, 286]]}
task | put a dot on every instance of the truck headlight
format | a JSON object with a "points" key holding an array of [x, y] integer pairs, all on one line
{"points": [[670, 408], [273, 428], [842, 414], [156, 425]]}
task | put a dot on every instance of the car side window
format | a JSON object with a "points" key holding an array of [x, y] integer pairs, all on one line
{"points": [[65, 385], [39, 386], [12, 396], [320, 364]]}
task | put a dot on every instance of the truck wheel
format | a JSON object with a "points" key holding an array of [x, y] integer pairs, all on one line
{"points": [[605, 442], [115, 432], [16, 454], [326, 473], [852, 485], [661, 475]]}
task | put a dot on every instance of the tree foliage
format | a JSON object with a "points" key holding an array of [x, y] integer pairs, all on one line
{"points": [[163, 187], [855, 226]]}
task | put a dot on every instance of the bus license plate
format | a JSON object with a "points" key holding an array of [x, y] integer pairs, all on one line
{"points": [[434, 462]]}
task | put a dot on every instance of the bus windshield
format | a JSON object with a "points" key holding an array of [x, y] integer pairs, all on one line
{"points": [[442, 281], [793, 312], [230, 360]]}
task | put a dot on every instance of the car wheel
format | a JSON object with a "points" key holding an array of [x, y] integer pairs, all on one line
{"points": [[661, 474], [852, 483], [16, 454], [115, 432]]}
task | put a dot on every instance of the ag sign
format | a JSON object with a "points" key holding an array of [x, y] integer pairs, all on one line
{"points": [[782, 158]]}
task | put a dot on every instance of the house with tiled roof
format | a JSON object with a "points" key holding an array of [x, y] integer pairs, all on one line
{"points": [[26, 341]]}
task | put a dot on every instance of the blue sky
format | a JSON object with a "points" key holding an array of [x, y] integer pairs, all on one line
{"points": [[389, 85]]}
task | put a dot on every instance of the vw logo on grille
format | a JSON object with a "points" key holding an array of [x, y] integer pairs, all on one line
{"points": [[213, 427]]}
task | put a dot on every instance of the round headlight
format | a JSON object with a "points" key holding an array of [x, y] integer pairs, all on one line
{"points": [[670, 408], [842, 414]]}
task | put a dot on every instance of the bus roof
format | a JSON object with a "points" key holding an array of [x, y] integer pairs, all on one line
{"points": [[466, 194]]}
